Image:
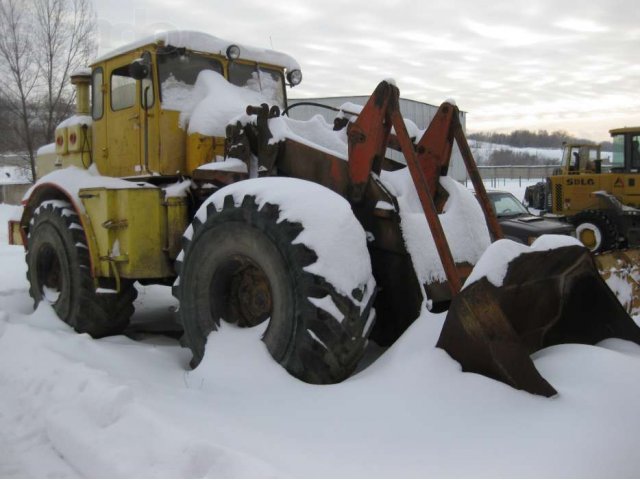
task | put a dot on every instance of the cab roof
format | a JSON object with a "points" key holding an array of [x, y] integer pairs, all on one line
{"points": [[618, 131], [203, 42]]}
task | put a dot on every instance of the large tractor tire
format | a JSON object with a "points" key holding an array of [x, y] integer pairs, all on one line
{"points": [[59, 273], [241, 263], [596, 231]]}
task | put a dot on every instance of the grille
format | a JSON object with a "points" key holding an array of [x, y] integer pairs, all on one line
{"points": [[558, 194]]}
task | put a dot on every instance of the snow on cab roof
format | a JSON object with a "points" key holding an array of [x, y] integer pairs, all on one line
{"points": [[203, 42]]}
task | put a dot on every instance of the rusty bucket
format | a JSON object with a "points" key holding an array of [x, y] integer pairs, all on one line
{"points": [[547, 298]]}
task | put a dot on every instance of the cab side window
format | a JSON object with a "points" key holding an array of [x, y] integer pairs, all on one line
{"points": [[635, 151], [97, 107], [146, 92], [123, 89]]}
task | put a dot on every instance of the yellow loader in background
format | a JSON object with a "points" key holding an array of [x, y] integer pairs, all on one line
{"points": [[603, 206]]}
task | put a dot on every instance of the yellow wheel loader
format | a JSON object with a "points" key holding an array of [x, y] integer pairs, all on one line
{"points": [[603, 206], [179, 169]]}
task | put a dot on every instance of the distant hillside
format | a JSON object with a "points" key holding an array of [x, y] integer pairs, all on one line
{"points": [[531, 139], [524, 147], [487, 153]]}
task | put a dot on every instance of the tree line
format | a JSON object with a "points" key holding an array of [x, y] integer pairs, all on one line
{"points": [[42, 42], [509, 157], [534, 139]]}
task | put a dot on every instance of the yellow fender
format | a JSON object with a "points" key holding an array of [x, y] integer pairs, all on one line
{"points": [[50, 191]]}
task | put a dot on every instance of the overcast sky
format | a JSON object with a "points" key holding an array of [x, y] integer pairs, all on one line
{"points": [[537, 64]]}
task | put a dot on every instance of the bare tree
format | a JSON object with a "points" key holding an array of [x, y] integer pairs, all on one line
{"points": [[43, 41], [64, 39], [18, 69]]}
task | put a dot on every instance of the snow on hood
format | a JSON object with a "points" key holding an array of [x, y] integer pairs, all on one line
{"points": [[319, 134], [229, 165], [178, 189], [72, 179], [350, 111], [315, 133], [203, 42], [213, 103], [462, 220]]}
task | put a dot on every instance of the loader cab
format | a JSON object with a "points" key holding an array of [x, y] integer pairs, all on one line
{"points": [[140, 91], [626, 150], [121, 117], [581, 158]]}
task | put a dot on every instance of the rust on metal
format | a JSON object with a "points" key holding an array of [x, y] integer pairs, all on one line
{"points": [[434, 148], [546, 298], [368, 139], [307, 163]]}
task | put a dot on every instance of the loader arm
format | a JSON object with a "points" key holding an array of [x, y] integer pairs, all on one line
{"points": [[489, 329], [369, 136]]}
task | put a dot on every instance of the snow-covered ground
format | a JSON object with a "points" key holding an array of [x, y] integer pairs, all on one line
{"points": [[513, 185], [128, 406], [10, 174], [482, 151]]}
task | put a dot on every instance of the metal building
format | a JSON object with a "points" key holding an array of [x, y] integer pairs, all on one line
{"points": [[418, 112]]}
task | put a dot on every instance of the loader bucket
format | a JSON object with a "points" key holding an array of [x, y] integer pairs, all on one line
{"points": [[547, 298], [621, 270]]}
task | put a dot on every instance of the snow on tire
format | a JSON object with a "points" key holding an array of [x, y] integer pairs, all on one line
{"points": [[59, 273], [287, 251]]}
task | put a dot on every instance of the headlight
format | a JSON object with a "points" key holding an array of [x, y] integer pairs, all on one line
{"points": [[294, 77], [233, 52]]}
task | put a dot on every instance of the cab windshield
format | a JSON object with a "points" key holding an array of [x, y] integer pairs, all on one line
{"points": [[267, 81], [178, 71], [506, 205], [618, 152]]}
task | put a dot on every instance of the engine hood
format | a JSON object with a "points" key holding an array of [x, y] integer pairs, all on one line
{"points": [[526, 226]]}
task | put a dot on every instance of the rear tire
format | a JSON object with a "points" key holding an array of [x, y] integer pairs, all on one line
{"points": [[535, 196], [595, 230], [59, 273], [243, 265]]}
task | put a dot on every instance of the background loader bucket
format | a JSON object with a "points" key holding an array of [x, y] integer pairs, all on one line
{"points": [[547, 297]]}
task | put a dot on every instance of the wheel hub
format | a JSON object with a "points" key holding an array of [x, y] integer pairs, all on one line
{"points": [[588, 238], [250, 296], [49, 271]]}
